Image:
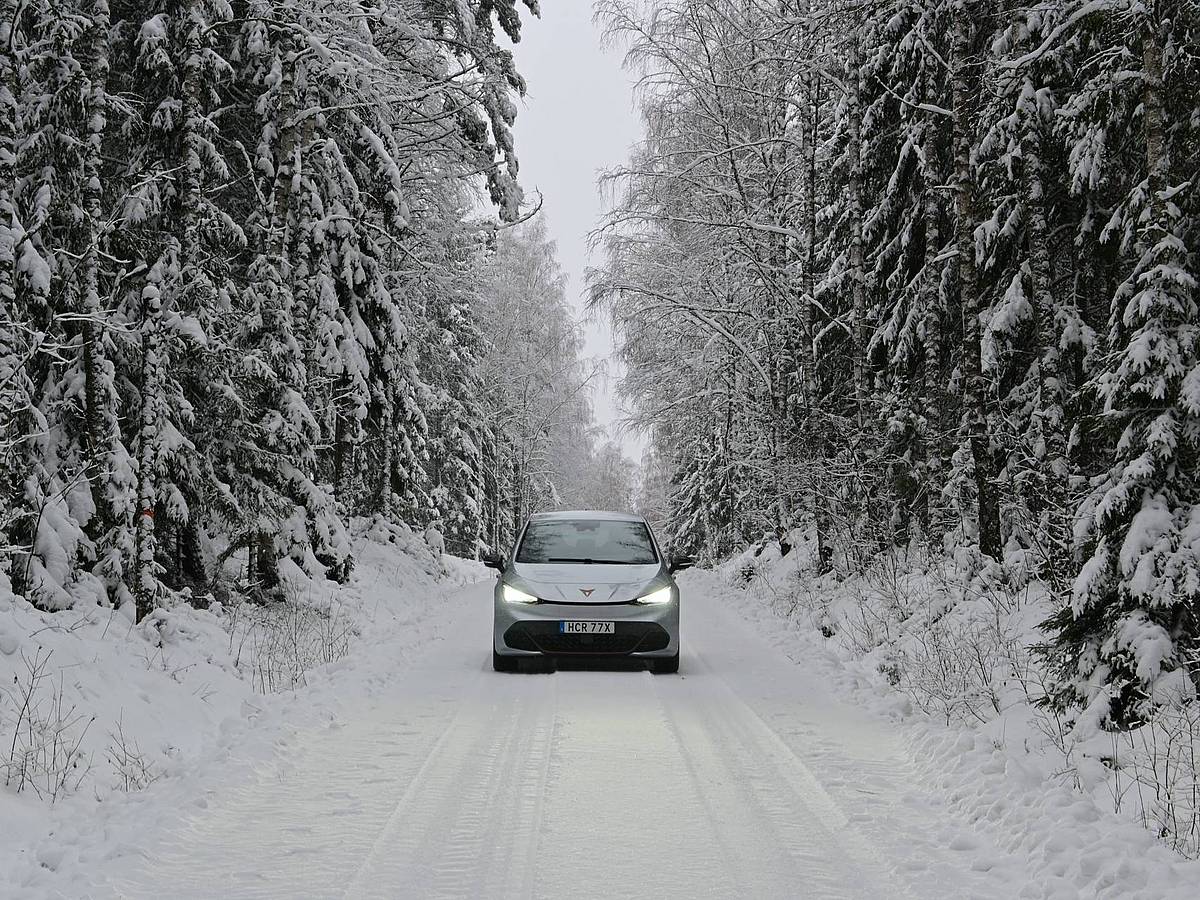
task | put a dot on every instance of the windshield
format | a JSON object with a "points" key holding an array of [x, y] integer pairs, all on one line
{"points": [[597, 541]]}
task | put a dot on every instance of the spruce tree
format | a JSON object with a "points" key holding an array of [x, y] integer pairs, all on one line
{"points": [[1133, 613]]}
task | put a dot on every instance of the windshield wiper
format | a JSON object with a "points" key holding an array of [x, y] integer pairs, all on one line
{"points": [[589, 562]]}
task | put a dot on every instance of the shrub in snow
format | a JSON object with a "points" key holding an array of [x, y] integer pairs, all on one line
{"points": [[45, 751], [745, 573], [960, 640]]}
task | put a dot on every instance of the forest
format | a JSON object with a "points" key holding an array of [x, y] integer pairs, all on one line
{"points": [[924, 274], [905, 273], [265, 267]]}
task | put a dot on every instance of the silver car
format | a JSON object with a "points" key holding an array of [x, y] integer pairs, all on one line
{"points": [[587, 584]]}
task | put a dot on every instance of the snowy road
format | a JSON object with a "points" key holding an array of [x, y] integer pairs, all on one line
{"points": [[742, 776]]}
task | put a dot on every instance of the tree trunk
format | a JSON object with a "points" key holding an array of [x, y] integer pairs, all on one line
{"points": [[286, 165], [1038, 241], [931, 299], [189, 195], [340, 453], [145, 573], [387, 486], [99, 423], [965, 85], [102, 430], [266, 566], [858, 288], [809, 311], [8, 140], [812, 383]]}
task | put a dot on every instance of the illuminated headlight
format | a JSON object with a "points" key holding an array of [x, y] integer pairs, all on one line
{"points": [[662, 595], [512, 595]]}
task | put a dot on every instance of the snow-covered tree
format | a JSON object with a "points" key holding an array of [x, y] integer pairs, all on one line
{"points": [[535, 379], [1132, 615], [926, 271], [234, 313]]}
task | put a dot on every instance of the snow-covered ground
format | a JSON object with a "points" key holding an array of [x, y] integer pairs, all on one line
{"points": [[106, 728], [766, 768], [935, 655]]}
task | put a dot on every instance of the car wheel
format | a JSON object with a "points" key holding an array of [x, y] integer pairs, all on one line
{"points": [[503, 663], [666, 666]]}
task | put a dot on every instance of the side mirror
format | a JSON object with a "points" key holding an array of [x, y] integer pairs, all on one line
{"points": [[679, 563], [493, 561]]}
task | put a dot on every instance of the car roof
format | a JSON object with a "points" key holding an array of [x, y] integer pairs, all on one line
{"points": [[567, 515]]}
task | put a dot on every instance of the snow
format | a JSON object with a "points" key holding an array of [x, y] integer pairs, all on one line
{"points": [[35, 269], [1047, 796], [1005, 319], [1147, 642], [146, 714], [774, 764], [1144, 542]]}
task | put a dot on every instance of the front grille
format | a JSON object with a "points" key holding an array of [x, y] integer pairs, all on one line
{"points": [[629, 637], [587, 643]]}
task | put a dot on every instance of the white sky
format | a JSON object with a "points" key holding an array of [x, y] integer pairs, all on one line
{"points": [[577, 119]]}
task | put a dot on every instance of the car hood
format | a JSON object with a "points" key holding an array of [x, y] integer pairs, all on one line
{"points": [[569, 583]]}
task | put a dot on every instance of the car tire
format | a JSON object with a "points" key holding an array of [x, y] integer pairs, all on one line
{"points": [[503, 663], [666, 666]]}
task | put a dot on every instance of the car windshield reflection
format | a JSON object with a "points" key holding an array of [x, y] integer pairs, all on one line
{"points": [[588, 542]]}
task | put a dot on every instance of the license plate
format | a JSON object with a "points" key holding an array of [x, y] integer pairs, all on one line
{"points": [[586, 628]]}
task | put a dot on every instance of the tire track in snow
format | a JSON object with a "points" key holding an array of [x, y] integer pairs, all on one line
{"points": [[765, 801], [390, 826], [860, 764], [491, 847], [466, 826], [623, 817], [537, 794], [698, 758]]}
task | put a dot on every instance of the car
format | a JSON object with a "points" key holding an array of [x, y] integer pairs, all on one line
{"points": [[586, 583]]}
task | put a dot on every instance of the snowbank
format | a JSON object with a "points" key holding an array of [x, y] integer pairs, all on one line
{"points": [[950, 655], [97, 713]]}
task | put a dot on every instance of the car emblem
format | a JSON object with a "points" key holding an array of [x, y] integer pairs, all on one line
{"points": [[587, 592]]}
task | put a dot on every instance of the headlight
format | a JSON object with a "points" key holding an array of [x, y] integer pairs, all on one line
{"points": [[662, 595], [512, 595]]}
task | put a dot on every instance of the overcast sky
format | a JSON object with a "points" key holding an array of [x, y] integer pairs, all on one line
{"points": [[577, 119]]}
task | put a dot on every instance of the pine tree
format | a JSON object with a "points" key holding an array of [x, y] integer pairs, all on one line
{"points": [[1133, 614], [452, 353]]}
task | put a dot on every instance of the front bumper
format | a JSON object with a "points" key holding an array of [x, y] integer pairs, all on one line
{"points": [[639, 630]]}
